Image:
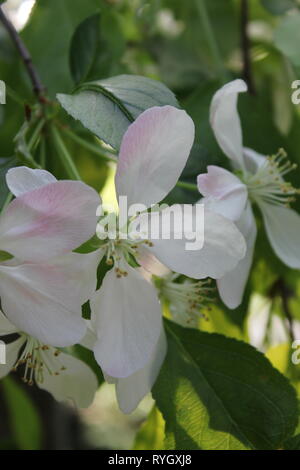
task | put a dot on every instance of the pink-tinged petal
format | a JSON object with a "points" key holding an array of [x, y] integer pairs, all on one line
{"points": [[44, 300], [150, 263], [224, 192], [153, 153], [21, 180], [213, 255], [77, 382], [12, 353], [128, 323], [225, 120], [283, 229], [131, 390], [49, 221], [231, 287]]}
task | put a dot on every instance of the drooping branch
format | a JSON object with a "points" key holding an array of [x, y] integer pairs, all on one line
{"points": [[38, 87], [245, 44]]}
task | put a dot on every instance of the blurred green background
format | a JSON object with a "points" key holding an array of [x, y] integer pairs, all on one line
{"points": [[193, 52]]}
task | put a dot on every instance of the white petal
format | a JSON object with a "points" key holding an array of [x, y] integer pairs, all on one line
{"points": [[21, 180], [223, 245], [45, 300], [153, 153], [12, 352], [131, 390], [231, 287], [128, 320], [225, 120], [90, 337], [283, 229], [224, 192], [77, 383], [253, 160], [6, 328], [49, 221]]}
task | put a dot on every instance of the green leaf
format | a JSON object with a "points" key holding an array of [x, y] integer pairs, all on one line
{"points": [[287, 38], [51, 57], [24, 418], [107, 107], [151, 434], [293, 443], [219, 393], [84, 47], [279, 7]]}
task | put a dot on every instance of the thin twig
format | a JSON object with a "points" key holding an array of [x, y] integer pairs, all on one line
{"points": [[245, 43], [211, 40], [38, 87]]}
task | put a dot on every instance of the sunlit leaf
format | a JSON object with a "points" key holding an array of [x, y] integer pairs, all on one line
{"points": [[219, 393]]}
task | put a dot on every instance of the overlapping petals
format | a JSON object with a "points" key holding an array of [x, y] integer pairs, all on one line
{"points": [[223, 192], [44, 300], [49, 220], [75, 381]]}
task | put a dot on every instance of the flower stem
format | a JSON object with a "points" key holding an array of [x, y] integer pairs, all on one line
{"points": [[89, 146], [211, 40], [6, 202], [36, 134], [189, 186], [64, 155], [14, 96]]}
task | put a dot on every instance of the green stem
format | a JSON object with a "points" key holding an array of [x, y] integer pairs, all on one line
{"points": [[89, 146], [36, 134], [211, 40], [64, 155], [6, 202], [42, 153], [14, 96], [189, 186]]}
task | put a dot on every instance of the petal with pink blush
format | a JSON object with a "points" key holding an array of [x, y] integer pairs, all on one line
{"points": [[49, 221], [225, 120], [224, 192], [44, 300], [21, 180], [153, 153]]}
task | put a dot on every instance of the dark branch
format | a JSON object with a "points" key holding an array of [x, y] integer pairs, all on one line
{"points": [[245, 43], [38, 87]]}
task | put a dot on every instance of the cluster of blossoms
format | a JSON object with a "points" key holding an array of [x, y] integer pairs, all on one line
{"points": [[44, 283]]}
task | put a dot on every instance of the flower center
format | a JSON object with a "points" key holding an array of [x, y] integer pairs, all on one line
{"points": [[187, 299], [118, 245], [267, 183], [36, 358]]}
